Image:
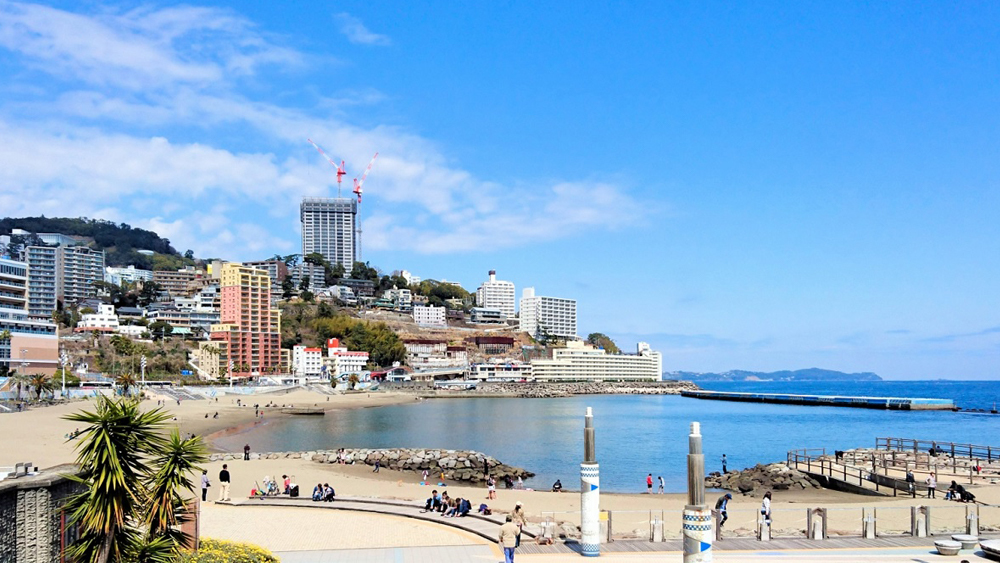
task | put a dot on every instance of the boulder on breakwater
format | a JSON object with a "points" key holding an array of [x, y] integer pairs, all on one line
{"points": [[457, 465], [757, 480]]}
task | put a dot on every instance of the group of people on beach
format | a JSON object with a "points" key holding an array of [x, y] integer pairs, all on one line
{"points": [[323, 492]]}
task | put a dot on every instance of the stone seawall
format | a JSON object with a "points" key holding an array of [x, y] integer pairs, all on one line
{"points": [[457, 465], [566, 389]]}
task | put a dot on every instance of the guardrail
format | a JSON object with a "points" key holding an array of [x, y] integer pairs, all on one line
{"points": [[855, 476], [812, 523]]}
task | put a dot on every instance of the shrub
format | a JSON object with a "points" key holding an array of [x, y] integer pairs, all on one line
{"points": [[221, 551]]}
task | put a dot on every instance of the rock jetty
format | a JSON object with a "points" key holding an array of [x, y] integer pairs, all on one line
{"points": [[566, 389], [457, 465], [759, 479]]}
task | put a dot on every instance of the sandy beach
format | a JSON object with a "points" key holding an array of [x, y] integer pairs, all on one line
{"points": [[39, 436]]}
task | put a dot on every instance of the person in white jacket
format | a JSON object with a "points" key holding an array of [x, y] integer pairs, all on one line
{"points": [[765, 508]]}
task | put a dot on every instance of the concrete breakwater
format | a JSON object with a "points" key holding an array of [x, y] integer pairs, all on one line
{"points": [[566, 389], [457, 465]]}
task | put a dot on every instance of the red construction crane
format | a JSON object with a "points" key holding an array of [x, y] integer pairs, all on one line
{"points": [[357, 190], [357, 184], [340, 169]]}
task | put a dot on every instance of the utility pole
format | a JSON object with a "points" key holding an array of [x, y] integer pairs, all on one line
{"points": [[142, 366]]}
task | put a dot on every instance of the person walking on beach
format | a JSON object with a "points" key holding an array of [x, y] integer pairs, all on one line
{"points": [[378, 466], [660, 490], [491, 487], [765, 508], [720, 507], [519, 520], [424, 476], [508, 539], [246, 452], [723, 464], [224, 483], [911, 482], [205, 484], [649, 483], [931, 485]]}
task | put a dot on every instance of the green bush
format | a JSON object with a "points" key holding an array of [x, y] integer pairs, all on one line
{"points": [[221, 551]]}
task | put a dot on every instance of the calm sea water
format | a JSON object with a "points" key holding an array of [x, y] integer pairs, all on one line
{"points": [[637, 435]]}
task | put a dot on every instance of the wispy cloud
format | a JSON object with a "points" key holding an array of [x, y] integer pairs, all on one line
{"points": [[356, 32], [126, 135], [945, 338]]}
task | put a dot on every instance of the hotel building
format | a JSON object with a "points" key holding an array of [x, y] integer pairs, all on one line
{"points": [[497, 294], [582, 362], [33, 346]]}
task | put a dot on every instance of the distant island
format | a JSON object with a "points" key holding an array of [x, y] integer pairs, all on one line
{"points": [[811, 374]]}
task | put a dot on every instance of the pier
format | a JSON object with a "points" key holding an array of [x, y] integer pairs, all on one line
{"points": [[888, 403]]}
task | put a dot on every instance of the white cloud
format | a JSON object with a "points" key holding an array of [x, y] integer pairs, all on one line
{"points": [[94, 147], [356, 32]]}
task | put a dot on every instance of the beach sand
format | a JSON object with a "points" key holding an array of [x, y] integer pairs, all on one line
{"points": [[38, 435]]}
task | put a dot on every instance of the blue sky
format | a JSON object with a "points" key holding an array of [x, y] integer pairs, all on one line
{"points": [[767, 186]]}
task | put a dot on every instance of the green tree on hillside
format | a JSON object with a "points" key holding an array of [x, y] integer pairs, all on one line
{"points": [[382, 344], [603, 341]]}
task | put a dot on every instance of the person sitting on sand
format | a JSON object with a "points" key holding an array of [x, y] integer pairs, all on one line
{"points": [[445, 499], [432, 503], [286, 484], [328, 493], [557, 486], [954, 491], [318, 492]]}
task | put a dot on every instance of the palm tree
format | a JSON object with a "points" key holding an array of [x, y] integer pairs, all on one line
{"points": [[125, 382], [5, 334], [353, 380], [135, 482], [41, 383], [19, 379]]}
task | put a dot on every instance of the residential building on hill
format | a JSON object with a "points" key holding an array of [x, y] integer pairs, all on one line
{"points": [[77, 269], [42, 280], [249, 329], [430, 316], [33, 346], [486, 316], [582, 362], [103, 320], [277, 270], [328, 227], [131, 274], [554, 316], [176, 283], [497, 294]]}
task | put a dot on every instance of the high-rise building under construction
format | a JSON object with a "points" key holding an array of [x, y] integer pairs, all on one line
{"points": [[328, 227]]}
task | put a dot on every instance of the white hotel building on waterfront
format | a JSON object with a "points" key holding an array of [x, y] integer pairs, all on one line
{"points": [[581, 362], [557, 316]]}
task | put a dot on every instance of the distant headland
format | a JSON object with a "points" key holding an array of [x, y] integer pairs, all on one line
{"points": [[811, 374]]}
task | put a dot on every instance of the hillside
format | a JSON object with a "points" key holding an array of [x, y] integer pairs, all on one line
{"points": [[811, 374], [119, 241]]}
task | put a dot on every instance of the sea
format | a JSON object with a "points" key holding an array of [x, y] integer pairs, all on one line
{"points": [[642, 434]]}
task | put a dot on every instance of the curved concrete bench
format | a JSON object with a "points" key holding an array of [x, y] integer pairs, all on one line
{"points": [[483, 526], [967, 541], [948, 547]]}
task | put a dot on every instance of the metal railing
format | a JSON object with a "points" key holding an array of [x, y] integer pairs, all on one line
{"points": [[857, 476], [953, 449]]}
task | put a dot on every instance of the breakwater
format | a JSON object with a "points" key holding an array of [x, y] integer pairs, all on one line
{"points": [[457, 465], [550, 390], [887, 403]]}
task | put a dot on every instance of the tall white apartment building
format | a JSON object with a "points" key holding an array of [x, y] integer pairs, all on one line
{"points": [[77, 268], [307, 361], [430, 316], [581, 362], [42, 276], [552, 315], [497, 294], [328, 227]]}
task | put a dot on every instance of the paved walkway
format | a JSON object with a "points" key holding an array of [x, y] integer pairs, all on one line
{"points": [[449, 554]]}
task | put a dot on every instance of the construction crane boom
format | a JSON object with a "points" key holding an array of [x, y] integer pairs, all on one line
{"points": [[341, 172], [358, 184]]}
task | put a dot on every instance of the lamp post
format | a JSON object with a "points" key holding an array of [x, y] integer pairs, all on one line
{"points": [[24, 370], [590, 493], [697, 527], [63, 359]]}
